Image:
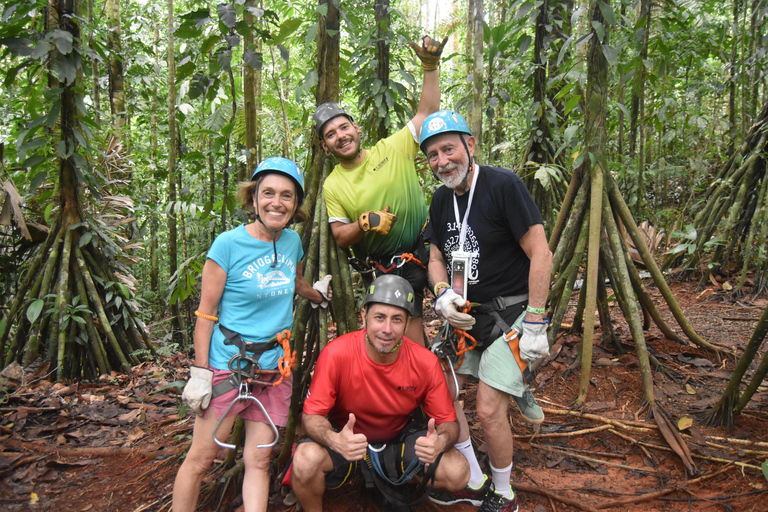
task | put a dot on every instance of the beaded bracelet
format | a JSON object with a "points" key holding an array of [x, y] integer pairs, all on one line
{"points": [[207, 317], [438, 285]]}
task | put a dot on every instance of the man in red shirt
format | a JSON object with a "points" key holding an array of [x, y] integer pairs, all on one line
{"points": [[364, 390]]}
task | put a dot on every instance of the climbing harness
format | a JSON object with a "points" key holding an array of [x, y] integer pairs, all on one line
{"points": [[381, 462], [247, 372], [369, 265], [455, 343]]}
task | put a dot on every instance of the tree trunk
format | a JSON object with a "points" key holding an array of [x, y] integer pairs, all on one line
{"points": [[249, 100], [67, 307], [176, 323], [721, 414], [381, 11], [476, 122], [154, 264], [116, 83], [95, 88], [732, 130]]}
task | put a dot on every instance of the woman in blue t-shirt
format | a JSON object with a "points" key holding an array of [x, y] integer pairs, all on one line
{"points": [[249, 279]]}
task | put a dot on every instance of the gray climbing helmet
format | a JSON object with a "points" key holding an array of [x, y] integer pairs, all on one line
{"points": [[326, 112], [392, 290]]}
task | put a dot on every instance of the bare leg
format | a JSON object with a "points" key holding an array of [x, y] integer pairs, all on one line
{"points": [[257, 460], [186, 488], [310, 464], [492, 407], [452, 474]]}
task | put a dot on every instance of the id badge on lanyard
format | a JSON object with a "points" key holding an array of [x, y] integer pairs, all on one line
{"points": [[461, 262]]}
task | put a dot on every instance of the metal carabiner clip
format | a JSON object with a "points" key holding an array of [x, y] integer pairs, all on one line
{"points": [[243, 394], [377, 450], [400, 261]]}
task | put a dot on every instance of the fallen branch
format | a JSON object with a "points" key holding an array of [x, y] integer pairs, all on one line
{"points": [[579, 504], [657, 494], [114, 451], [702, 457], [632, 426], [569, 453], [572, 433]]}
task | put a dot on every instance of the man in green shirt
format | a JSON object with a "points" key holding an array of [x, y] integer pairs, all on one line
{"points": [[374, 199]]}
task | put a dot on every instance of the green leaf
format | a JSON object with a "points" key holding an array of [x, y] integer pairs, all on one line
{"points": [[599, 30], [571, 103], [284, 53], [18, 45], [225, 60], [63, 41], [227, 14], [66, 69], [37, 181], [611, 55], [34, 310], [524, 43], [85, 239], [765, 469], [287, 28], [253, 59], [47, 212], [607, 12]]}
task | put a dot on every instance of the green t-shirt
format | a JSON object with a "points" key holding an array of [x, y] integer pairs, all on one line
{"points": [[387, 176]]}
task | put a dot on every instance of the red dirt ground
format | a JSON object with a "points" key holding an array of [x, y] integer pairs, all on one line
{"points": [[116, 445]]}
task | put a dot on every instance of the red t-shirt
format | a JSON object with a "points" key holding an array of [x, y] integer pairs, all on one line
{"points": [[381, 396]]}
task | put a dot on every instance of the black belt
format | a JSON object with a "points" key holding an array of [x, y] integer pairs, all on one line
{"points": [[257, 349]]}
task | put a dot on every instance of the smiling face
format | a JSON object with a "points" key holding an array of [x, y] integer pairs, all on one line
{"points": [[341, 138], [449, 160], [385, 326], [275, 201]]}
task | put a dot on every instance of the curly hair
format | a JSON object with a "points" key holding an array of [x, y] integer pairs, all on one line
{"points": [[246, 190]]}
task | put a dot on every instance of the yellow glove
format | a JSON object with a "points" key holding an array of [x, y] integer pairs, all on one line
{"points": [[377, 221], [429, 52]]}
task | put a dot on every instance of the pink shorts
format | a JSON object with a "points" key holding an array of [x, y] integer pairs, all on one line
{"points": [[275, 399]]}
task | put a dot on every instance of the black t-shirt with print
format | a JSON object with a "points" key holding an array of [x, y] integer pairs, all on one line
{"points": [[502, 211]]}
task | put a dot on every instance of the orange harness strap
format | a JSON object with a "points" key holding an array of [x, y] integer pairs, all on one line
{"points": [[466, 341]]}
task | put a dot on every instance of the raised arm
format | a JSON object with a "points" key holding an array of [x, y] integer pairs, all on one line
{"points": [[429, 53]]}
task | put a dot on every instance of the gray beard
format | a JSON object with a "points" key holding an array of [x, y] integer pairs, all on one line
{"points": [[459, 181]]}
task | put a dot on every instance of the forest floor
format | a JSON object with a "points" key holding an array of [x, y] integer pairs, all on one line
{"points": [[116, 444]]}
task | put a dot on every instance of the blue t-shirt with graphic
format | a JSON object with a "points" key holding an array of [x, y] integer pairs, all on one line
{"points": [[258, 298]]}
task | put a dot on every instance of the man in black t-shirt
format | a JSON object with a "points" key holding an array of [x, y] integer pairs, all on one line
{"points": [[486, 232]]}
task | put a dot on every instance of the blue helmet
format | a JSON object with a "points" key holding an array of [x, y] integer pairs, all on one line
{"points": [[442, 121], [280, 165]]}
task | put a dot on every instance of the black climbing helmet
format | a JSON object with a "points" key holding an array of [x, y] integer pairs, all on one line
{"points": [[392, 290], [326, 112]]}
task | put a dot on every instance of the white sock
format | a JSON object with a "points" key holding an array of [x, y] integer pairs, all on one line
{"points": [[476, 476], [501, 480]]}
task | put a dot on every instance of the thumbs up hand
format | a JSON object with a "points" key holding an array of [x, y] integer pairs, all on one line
{"points": [[428, 447], [349, 445]]}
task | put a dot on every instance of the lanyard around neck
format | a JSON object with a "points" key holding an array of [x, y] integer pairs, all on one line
{"points": [[463, 231]]}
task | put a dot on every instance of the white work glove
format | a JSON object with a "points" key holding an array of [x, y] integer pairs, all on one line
{"points": [[533, 341], [447, 305], [197, 393], [322, 287]]}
